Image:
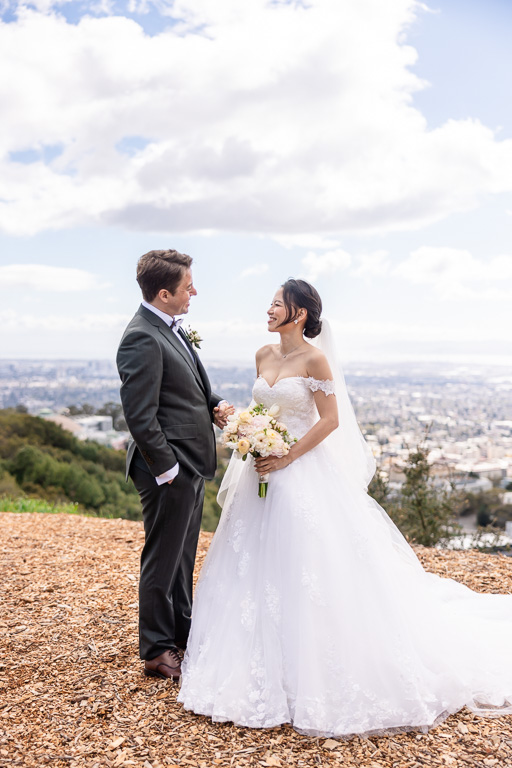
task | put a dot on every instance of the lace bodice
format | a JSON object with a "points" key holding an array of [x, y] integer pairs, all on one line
{"points": [[294, 396]]}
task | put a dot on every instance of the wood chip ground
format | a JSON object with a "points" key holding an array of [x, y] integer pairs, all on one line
{"points": [[72, 689]]}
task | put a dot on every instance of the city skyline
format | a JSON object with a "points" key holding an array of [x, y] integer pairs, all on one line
{"points": [[368, 149]]}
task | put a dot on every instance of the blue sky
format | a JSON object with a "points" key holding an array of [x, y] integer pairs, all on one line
{"points": [[366, 147]]}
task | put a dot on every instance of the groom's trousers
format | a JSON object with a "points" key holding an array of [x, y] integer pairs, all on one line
{"points": [[172, 520]]}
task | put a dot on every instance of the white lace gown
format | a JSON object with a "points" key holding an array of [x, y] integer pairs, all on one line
{"points": [[312, 609]]}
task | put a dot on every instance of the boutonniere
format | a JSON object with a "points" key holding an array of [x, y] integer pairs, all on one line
{"points": [[193, 337]]}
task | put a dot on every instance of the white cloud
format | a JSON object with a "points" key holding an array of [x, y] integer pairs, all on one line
{"points": [[457, 274], [372, 264], [63, 324], [282, 118], [258, 269], [42, 277], [481, 343], [315, 242], [395, 332], [328, 263]]}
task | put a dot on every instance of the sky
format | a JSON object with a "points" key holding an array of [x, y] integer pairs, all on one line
{"points": [[364, 146]]}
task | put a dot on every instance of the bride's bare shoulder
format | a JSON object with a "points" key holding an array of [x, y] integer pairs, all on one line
{"points": [[268, 349], [317, 365], [264, 352]]}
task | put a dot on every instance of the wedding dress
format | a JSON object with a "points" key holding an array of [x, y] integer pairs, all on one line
{"points": [[312, 609]]}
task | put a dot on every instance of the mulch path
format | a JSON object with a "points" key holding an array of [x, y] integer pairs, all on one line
{"points": [[72, 689]]}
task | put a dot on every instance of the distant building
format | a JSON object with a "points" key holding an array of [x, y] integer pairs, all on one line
{"points": [[95, 423], [494, 470], [99, 429], [70, 425], [473, 484]]}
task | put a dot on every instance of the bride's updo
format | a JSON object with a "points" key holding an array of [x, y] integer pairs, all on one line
{"points": [[298, 294]]}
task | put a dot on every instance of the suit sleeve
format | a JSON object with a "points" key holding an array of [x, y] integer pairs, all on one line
{"points": [[139, 361]]}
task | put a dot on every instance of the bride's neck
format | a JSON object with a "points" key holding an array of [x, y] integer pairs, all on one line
{"points": [[290, 340]]}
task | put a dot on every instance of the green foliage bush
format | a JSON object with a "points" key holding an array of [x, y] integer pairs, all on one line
{"points": [[10, 504], [211, 510], [39, 458]]}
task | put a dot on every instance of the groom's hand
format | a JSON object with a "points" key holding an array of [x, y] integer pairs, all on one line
{"points": [[221, 413]]}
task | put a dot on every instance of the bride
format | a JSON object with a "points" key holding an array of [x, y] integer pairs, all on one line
{"points": [[311, 608]]}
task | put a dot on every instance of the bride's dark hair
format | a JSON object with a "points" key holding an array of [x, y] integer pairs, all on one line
{"points": [[298, 294]]}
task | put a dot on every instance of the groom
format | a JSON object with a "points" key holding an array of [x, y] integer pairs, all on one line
{"points": [[169, 408]]}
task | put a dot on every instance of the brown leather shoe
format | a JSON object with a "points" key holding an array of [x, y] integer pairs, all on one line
{"points": [[167, 665]]}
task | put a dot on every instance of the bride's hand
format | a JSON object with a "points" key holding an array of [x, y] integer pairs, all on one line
{"points": [[263, 465]]}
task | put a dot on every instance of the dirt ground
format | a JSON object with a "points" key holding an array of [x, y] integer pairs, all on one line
{"points": [[71, 684]]}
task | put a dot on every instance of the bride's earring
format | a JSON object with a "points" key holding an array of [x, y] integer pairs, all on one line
{"points": [[296, 321]]}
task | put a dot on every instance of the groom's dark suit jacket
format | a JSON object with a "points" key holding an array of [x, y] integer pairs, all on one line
{"points": [[167, 399]]}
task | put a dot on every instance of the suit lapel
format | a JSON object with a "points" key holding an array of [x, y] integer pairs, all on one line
{"points": [[184, 336], [171, 336], [202, 372], [174, 341]]}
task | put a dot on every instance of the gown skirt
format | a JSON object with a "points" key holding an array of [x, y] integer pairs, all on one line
{"points": [[312, 609]]}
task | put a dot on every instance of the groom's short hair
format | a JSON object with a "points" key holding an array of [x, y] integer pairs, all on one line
{"points": [[161, 269]]}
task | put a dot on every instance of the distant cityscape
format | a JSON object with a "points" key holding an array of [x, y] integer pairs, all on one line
{"points": [[462, 414]]}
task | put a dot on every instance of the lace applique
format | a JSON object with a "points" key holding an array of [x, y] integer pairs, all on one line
{"points": [[325, 385], [306, 509], [310, 582], [243, 563], [273, 601], [248, 615], [237, 534]]}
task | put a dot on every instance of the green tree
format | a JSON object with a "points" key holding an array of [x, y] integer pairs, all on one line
{"points": [[425, 514], [379, 489]]}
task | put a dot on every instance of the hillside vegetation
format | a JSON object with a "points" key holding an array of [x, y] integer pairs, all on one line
{"points": [[39, 459]]}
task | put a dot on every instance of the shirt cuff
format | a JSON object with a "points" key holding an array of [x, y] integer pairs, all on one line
{"points": [[221, 402], [169, 475]]}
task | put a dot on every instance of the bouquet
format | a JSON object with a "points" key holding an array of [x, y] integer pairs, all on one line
{"points": [[256, 432]]}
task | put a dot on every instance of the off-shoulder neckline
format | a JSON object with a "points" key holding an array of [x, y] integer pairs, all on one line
{"points": [[287, 378]]}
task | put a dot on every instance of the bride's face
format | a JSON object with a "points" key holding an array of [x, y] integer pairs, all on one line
{"points": [[276, 312]]}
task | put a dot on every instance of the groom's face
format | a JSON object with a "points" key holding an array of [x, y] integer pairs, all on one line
{"points": [[178, 303]]}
